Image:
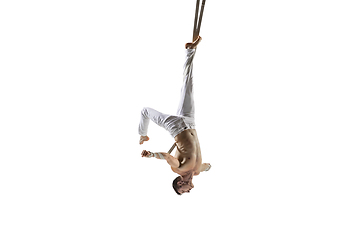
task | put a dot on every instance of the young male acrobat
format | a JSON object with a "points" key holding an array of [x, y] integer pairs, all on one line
{"points": [[187, 161]]}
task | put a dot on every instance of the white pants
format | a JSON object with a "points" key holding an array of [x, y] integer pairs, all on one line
{"points": [[184, 118]]}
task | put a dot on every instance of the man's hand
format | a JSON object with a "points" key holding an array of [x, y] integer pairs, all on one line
{"points": [[146, 153], [143, 139], [194, 44]]}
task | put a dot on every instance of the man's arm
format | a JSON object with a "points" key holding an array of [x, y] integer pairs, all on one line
{"points": [[172, 161]]}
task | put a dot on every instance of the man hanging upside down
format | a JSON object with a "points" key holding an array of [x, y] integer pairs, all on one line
{"points": [[187, 161]]}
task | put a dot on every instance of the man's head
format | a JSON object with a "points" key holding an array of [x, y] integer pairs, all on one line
{"points": [[180, 186]]}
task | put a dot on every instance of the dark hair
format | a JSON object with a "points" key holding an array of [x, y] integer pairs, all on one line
{"points": [[175, 186]]}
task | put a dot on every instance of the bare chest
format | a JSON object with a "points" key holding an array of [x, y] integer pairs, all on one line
{"points": [[188, 147]]}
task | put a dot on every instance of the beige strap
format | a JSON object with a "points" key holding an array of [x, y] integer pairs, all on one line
{"points": [[172, 148]]}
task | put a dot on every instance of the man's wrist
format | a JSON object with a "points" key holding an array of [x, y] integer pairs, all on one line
{"points": [[161, 156], [154, 155]]}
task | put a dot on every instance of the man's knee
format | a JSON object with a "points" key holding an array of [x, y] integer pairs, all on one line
{"points": [[145, 111]]}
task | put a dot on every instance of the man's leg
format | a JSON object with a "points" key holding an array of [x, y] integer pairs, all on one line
{"points": [[186, 106], [148, 114]]}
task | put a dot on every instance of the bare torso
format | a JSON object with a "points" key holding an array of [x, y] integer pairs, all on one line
{"points": [[188, 147]]}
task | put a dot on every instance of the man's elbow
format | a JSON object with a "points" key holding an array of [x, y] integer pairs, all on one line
{"points": [[174, 164], [172, 161]]}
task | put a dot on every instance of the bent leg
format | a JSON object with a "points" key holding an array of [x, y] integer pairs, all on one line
{"points": [[155, 116], [186, 105]]}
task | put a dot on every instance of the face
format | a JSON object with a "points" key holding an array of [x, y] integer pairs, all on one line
{"points": [[185, 187]]}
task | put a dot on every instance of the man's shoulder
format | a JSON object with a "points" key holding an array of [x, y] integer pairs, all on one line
{"points": [[188, 162]]}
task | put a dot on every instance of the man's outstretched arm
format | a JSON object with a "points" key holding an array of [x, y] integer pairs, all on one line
{"points": [[172, 161]]}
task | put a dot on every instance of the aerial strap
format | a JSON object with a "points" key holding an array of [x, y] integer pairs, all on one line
{"points": [[197, 24], [172, 148]]}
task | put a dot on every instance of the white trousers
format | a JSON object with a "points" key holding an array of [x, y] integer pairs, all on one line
{"points": [[184, 118]]}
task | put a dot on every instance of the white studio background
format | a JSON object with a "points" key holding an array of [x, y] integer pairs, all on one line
{"points": [[277, 111]]}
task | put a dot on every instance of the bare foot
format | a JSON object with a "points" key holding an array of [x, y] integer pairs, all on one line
{"points": [[143, 139], [194, 44]]}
